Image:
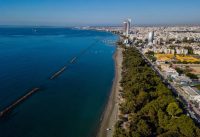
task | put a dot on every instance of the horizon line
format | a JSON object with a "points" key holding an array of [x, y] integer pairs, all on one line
{"points": [[101, 25]]}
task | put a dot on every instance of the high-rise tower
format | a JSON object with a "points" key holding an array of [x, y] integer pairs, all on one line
{"points": [[127, 27], [151, 37]]}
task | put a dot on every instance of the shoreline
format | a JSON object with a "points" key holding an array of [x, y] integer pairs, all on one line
{"points": [[110, 115]]}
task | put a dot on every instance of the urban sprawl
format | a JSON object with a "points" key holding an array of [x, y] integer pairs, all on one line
{"points": [[172, 52]]}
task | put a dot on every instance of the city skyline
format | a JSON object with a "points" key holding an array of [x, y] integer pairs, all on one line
{"points": [[96, 12]]}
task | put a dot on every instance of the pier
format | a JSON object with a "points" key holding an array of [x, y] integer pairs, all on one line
{"points": [[17, 102]]}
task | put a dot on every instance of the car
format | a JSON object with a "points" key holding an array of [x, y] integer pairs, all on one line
{"points": [[108, 129]]}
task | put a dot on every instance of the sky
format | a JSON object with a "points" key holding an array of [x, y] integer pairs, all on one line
{"points": [[98, 12]]}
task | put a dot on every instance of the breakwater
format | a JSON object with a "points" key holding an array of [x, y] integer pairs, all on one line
{"points": [[55, 75], [58, 73], [72, 61], [76, 96], [17, 102]]}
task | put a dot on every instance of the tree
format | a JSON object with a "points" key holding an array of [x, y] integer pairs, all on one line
{"points": [[143, 128], [119, 132], [163, 119], [192, 76], [185, 39], [184, 126], [151, 108], [190, 50], [179, 70], [170, 134], [142, 99], [173, 109], [150, 53]]}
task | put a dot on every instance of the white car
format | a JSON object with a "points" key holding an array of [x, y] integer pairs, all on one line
{"points": [[108, 129]]}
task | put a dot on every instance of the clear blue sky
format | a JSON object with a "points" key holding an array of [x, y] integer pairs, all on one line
{"points": [[98, 12]]}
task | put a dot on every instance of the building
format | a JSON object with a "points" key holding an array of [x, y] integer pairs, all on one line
{"points": [[181, 51], [126, 41], [127, 26], [151, 37], [196, 101]]}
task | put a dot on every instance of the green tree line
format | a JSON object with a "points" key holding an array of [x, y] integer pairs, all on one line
{"points": [[149, 107]]}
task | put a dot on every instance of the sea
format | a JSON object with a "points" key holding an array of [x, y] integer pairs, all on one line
{"points": [[71, 104]]}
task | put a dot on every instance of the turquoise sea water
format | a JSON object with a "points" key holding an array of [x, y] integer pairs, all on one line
{"points": [[68, 106]]}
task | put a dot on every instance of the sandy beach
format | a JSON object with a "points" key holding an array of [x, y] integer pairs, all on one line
{"points": [[110, 116]]}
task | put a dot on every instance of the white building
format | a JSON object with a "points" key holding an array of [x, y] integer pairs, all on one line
{"points": [[195, 100], [127, 26], [181, 51], [151, 37], [197, 52]]}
